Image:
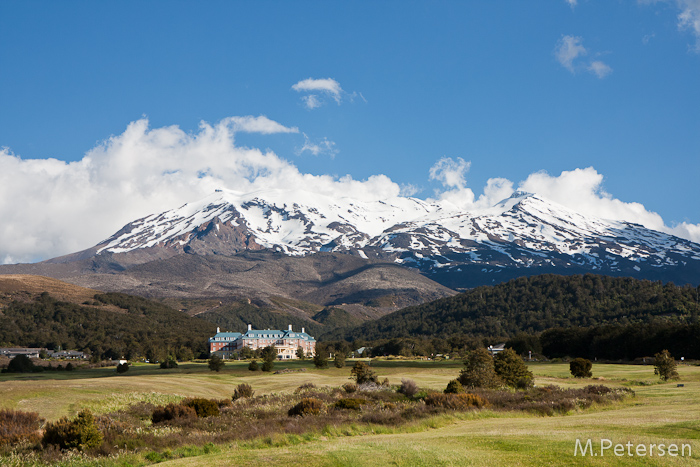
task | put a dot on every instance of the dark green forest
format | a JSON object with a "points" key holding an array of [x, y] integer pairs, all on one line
{"points": [[144, 328], [534, 304]]}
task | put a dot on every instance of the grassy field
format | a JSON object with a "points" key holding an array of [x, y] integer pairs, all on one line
{"points": [[660, 413]]}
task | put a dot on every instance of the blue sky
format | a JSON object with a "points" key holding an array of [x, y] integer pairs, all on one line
{"points": [[496, 90]]}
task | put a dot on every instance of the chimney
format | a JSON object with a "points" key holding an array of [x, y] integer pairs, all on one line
{"points": [[290, 327], [302, 330], [250, 327], [218, 330]]}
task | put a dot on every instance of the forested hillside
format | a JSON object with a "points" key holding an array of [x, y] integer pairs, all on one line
{"points": [[534, 304], [144, 328]]}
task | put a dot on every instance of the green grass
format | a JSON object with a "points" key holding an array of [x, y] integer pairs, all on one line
{"points": [[661, 412]]}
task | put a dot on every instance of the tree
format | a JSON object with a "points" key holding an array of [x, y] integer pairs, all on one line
{"points": [[454, 387], [665, 366], [300, 353], [512, 369], [216, 363], [363, 373], [479, 370], [246, 352], [253, 365], [81, 432], [581, 368], [339, 360], [122, 368], [169, 362], [269, 355], [20, 364], [320, 361], [185, 354]]}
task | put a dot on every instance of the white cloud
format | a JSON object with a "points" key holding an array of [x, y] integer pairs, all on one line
{"points": [[50, 207], [600, 69], [261, 124], [572, 3], [689, 18], [568, 52], [320, 90], [568, 49], [325, 146]]}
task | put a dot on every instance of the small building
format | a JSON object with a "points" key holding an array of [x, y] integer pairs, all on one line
{"points": [[494, 349], [12, 352], [69, 354], [225, 344]]}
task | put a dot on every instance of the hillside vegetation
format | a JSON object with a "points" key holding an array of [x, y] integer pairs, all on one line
{"points": [[534, 304], [143, 327]]}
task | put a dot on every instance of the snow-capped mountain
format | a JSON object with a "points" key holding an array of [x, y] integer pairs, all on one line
{"points": [[522, 235]]}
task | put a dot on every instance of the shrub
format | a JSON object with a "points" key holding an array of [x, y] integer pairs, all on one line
{"points": [[172, 412], [479, 371], [122, 368], [269, 355], [300, 353], [581, 368], [243, 391], [170, 362], [216, 363], [665, 366], [203, 407], [20, 364], [349, 387], [70, 367], [455, 401], [363, 373], [80, 433], [339, 360], [349, 403], [304, 387], [320, 361], [307, 406], [408, 387], [17, 426], [512, 369], [454, 387], [253, 365]]}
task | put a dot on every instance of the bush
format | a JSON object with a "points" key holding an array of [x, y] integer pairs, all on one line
{"points": [[304, 387], [122, 368], [168, 363], [69, 367], [269, 355], [455, 401], [203, 407], [216, 363], [479, 371], [172, 412], [339, 360], [512, 369], [665, 366], [320, 361], [454, 387], [349, 387], [307, 406], [581, 368], [242, 391], [349, 403], [253, 365], [20, 364], [363, 373], [408, 387], [17, 426], [80, 433]]}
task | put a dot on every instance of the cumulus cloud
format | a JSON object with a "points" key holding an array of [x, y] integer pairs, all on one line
{"points": [[50, 207], [318, 91], [580, 189], [572, 3], [569, 51]]}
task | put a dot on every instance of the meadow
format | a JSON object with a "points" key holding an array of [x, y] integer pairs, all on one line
{"points": [[659, 413]]}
